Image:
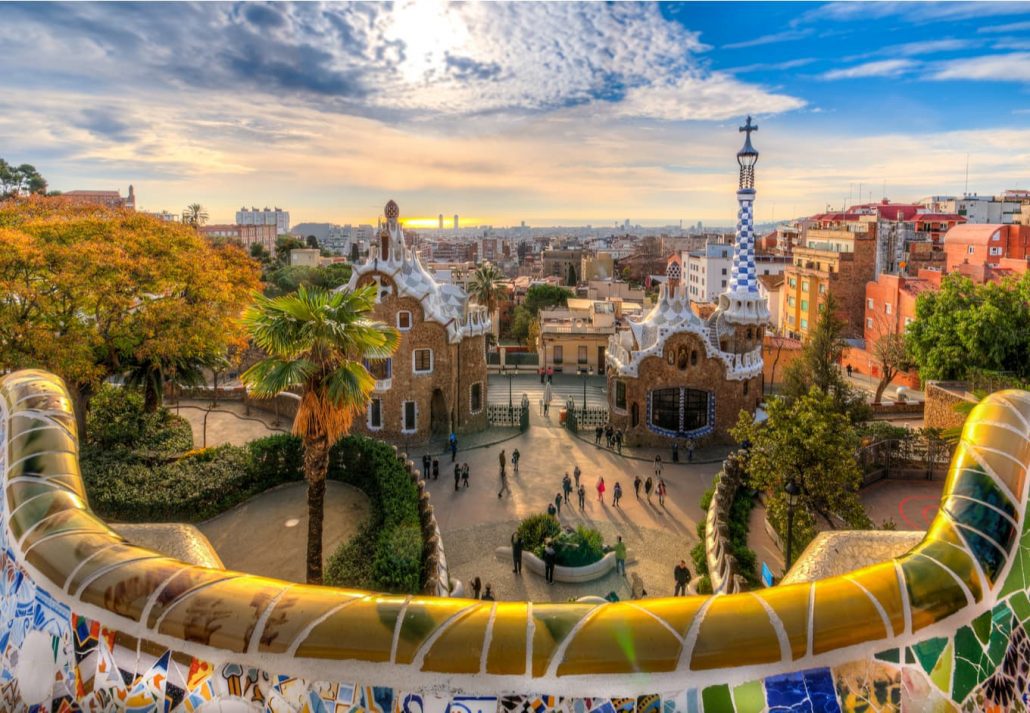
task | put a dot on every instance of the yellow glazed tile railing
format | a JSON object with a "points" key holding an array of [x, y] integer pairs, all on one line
{"points": [[969, 561]]}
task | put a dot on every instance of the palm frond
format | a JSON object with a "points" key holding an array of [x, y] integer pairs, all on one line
{"points": [[274, 375]]}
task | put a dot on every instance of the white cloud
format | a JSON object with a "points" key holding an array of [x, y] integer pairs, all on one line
{"points": [[410, 60], [773, 38], [917, 12], [1010, 27], [881, 68], [716, 96], [1014, 67]]}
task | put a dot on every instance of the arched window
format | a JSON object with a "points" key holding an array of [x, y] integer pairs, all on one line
{"points": [[693, 357], [679, 410]]}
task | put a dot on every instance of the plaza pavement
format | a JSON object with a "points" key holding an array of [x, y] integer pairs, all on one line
{"points": [[474, 522]]}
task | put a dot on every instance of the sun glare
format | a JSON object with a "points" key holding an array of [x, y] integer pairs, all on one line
{"points": [[429, 31]]}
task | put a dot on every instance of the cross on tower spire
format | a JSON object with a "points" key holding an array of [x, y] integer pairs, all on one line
{"points": [[748, 127]]}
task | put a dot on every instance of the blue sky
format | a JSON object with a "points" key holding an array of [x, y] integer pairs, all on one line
{"points": [[544, 112]]}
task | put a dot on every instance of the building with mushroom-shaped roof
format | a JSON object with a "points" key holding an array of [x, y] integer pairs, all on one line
{"points": [[673, 375], [436, 381]]}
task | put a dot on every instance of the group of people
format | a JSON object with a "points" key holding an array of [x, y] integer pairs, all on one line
{"points": [[612, 436], [503, 462], [648, 485], [487, 595]]}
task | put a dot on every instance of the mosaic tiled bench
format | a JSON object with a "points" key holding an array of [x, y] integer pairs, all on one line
{"points": [[89, 622]]}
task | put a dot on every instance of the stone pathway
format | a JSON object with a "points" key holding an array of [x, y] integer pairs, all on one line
{"points": [[229, 422], [474, 522], [267, 535]]}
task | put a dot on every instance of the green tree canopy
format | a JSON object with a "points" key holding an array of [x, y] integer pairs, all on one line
{"points": [[540, 297], [19, 180], [316, 341], [967, 326], [283, 280], [810, 442], [819, 366]]}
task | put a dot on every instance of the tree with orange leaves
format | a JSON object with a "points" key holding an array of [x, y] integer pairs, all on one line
{"points": [[89, 292]]}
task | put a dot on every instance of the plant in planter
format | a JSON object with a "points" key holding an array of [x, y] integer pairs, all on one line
{"points": [[579, 547]]}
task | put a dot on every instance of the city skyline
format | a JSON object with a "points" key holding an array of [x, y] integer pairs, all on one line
{"points": [[547, 113]]}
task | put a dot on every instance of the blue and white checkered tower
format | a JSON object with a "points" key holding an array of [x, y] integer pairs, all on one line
{"points": [[742, 303]]}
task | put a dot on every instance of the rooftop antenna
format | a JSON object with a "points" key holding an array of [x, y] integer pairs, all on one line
{"points": [[966, 193]]}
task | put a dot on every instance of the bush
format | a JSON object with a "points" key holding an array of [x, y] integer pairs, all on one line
{"points": [[535, 529], [389, 553], [132, 486], [579, 547], [118, 421]]}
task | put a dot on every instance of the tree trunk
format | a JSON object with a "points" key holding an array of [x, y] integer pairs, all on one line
{"points": [[316, 465], [152, 393], [885, 380], [81, 395]]}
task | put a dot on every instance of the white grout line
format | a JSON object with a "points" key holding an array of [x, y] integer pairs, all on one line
{"points": [[291, 651], [1000, 512], [397, 629], [906, 606], [423, 650], [259, 627], [657, 618], [559, 654], [530, 630], [811, 620], [888, 630], [690, 639], [487, 638], [778, 627]]}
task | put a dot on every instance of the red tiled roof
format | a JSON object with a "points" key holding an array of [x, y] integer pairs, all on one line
{"points": [[940, 217]]}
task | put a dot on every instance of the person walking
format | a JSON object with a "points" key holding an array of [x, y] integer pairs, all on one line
{"points": [[427, 462], [675, 452], [636, 486], [690, 451], [476, 586], [682, 576], [453, 440], [436, 469], [661, 492], [600, 489], [576, 472], [501, 460], [620, 557], [488, 594], [551, 510], [609, 435], [616, 495], [598, 432], [464, 475], [504, 484], [516, 552], [549, 559], [648, 487], [658, 464], [566, 487], [557, 502], [849, 371], [582, 492], [457, 475], [515, 455], [618, 441]]}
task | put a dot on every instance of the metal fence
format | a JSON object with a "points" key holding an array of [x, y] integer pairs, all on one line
{"points": [[915, 457], [509, 416]]}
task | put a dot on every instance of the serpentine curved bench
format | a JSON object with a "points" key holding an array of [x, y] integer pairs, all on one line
{"points": [[90, 622]]}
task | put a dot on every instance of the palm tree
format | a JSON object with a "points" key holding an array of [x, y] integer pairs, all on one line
{"points": [[194, 214], [316, 341], [485, 286]]}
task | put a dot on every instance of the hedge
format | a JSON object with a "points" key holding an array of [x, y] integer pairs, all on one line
{"points": [[134, 471], [572, 548]]}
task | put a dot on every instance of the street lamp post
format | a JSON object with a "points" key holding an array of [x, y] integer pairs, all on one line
{"points": [[792, 491], [585, 372], [511, 408]]}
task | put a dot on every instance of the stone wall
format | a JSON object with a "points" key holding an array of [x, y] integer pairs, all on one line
{"points": [[722, 565], [941, 399]]}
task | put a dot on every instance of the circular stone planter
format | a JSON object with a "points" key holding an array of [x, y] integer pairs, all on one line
{"points": [[571, 575]]}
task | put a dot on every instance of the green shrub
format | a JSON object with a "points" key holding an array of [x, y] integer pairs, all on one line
{"points": [[579, 547], [704, 585], [118, 421], [130, 485], [697, 554], [535, 529]]}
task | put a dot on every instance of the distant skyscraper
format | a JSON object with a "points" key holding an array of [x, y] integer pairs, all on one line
{"points": [[441, 221], [455, 221]]}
